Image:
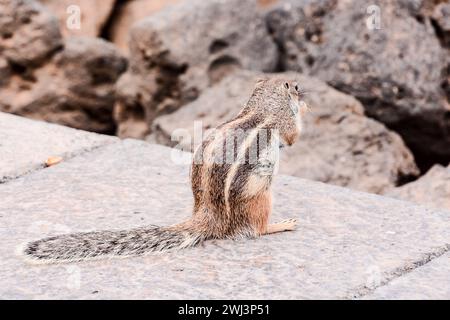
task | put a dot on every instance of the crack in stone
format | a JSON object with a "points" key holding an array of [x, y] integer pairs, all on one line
{"points": [[399, 272], [70, 156]]}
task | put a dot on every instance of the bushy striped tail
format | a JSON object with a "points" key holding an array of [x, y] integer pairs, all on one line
{"points": [[108, 244]]}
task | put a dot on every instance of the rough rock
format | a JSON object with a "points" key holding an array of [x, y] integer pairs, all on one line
{"points": [[28, 33], [432, 189], [25, 145], [93, 15], [168, 70], [347, 244], [128, 13], [339, 145], [418, 284], [5, 71], [440, 18], [43, 77], [399, 71], [441, 15], [74, 88]]}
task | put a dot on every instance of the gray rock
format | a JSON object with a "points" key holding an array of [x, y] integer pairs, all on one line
{"points": [[399, 71], [339, 145], [5, 71], [28, 32], [346, 243], [419, 284], [75, 87], [128, 13], [94, 14], [432, 189], [441, 19], [168, 70], [441, 15], [25, 145]]}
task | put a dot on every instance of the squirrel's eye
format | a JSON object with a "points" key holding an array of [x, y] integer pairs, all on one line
{"points": [[296, 88], [286, 85]]}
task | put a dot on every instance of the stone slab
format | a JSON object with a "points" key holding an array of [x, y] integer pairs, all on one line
{"points": [[346, 240], [431, 281], [26, 144]]}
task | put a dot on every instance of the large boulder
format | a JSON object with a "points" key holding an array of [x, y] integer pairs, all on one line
{"points": [[441, 21], [433, 189], [43, 77], [28, 34], [398, 69], [441, 15], [183, 49], [127, 13], [340, 145], [440, 18], [74, 88], [92, 14]]}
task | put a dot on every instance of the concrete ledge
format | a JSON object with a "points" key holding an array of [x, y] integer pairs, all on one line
{"points": [[348, 245], [25, 144], [430, 281]]}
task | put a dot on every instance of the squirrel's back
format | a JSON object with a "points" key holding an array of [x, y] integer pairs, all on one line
{"points": [[235, 163], [233, 168]]}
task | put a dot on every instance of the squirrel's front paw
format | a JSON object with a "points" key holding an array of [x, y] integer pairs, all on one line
{"points": [[289, 224], [265, 168]]}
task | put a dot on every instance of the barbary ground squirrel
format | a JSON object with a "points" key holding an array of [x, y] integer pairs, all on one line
{"points": [[231, 175]]}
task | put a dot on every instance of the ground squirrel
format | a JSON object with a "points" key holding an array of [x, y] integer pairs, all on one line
{"points": [[231, 175]]}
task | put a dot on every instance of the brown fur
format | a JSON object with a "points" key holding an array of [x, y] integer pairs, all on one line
{"points": [[235, 198]]}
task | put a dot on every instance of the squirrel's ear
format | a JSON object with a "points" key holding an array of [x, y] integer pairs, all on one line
{"points": [[260, 81]]}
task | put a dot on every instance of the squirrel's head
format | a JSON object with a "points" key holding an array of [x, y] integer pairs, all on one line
{"points": [[281, 100]]}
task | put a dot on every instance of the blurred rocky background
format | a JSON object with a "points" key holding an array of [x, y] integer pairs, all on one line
{"points": [[376, 76]]}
